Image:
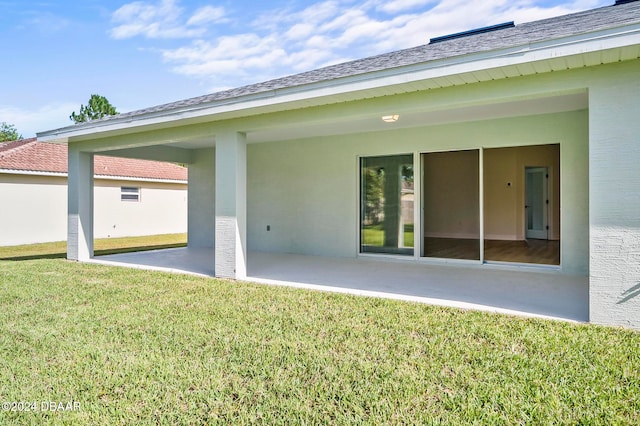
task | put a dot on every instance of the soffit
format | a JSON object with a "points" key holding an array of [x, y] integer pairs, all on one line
{"points": [[374, 123]]}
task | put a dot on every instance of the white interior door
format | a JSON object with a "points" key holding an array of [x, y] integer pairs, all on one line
{"points": [[537, 203]]}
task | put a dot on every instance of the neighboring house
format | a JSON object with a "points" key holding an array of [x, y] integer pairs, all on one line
{"points": [[132, 197], [511, 145]]}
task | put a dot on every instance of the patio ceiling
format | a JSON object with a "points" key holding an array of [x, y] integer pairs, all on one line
{"points": [[343, 124], [418, 118], [174, 144]]}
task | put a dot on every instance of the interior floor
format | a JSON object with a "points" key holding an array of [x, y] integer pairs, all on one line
{"points": [[544, 252]]}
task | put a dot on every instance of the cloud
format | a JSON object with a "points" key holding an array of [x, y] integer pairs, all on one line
{"points": [[206, 15], [45, 117], [403, 5], [164, 19], [287, 40], [229, 57]]}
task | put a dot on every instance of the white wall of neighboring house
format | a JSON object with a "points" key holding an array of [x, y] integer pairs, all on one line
{"points": [[33, 209], [161, 209]]}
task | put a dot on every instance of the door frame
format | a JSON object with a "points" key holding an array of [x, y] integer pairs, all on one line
{"points": [[546, 204]]}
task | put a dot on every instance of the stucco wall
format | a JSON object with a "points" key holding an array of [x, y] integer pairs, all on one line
{"points": [[34, 209], [162, 209], [614, 159], [307, 191]]}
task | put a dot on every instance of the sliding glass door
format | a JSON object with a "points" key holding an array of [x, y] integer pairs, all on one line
{"points": [[494, 205], [522, 204], [387, 204], [451, 201]]}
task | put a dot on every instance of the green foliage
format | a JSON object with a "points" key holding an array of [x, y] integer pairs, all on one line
{"points": [[97, 107], [373, 179], [8, 132]]}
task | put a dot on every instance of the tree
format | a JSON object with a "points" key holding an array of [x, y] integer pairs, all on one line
{"points": [[97, 107], [373, 181], [8, 132]]}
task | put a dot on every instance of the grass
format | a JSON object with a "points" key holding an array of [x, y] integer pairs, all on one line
{"points": [[139, 347], [102, 246], [373, 235]]}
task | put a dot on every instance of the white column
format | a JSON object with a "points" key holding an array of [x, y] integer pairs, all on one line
{"points": [[231, 205], [80, 205]]}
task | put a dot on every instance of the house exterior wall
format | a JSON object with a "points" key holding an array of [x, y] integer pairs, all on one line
{"points": [[307, 190], [614, 196], [34, 209], [162, 209]]}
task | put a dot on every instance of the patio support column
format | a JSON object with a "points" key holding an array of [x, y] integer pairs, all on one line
{"points": [[80, 205], [231, 205]]}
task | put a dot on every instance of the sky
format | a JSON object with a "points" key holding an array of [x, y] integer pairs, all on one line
{"points": [[149, 52]]}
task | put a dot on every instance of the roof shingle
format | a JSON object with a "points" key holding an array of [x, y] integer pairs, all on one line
{"points": [[30, 155], [520, 35]]}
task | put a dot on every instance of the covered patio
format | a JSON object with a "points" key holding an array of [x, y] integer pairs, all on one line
{"points": [[489, 139], [531, 293]]}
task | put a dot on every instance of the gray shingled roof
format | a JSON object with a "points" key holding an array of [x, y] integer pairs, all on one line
{"points": [[522, 34]]}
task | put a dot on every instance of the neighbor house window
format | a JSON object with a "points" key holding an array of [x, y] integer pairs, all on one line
{"points": [[129, 193], [386, 204]]}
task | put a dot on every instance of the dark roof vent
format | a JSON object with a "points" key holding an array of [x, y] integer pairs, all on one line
{"points": [[623, 2], [473, 32]]}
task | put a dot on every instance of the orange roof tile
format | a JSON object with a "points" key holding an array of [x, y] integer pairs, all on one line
{"points": [[31, 155]]}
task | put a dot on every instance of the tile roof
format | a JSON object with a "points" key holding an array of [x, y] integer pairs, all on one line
{"points": [[520, 35], [33, 156]]}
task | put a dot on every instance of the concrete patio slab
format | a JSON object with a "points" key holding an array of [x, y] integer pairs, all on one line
{"points": [[530, 292]]}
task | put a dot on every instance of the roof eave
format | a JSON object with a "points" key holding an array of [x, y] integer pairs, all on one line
{"points": [[96, 176], [326, 92]]}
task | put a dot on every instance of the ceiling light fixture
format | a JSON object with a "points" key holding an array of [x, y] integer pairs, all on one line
{"points": [[390, 118]]}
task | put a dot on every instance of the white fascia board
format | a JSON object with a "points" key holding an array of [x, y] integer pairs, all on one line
{"points": [[101, 177], [137, 179], [32, 173], [322, 92]]}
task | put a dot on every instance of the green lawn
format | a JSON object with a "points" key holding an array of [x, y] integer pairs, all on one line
{"points": [[373, 235], [139, 347], [103, 246]]}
